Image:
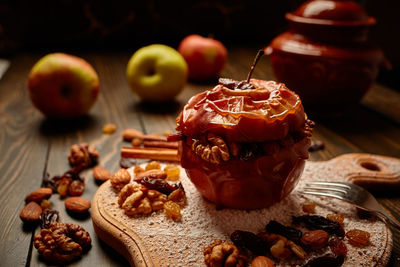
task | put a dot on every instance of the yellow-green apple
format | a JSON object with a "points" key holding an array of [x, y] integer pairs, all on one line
{"points": [[205, 57], [63, 86], [157, 73]]}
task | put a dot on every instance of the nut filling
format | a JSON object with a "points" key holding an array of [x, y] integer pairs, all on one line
{"points": [[213, 151]]}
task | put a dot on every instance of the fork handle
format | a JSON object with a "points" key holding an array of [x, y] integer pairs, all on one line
{"points": [[387, 218], [373, 172]]}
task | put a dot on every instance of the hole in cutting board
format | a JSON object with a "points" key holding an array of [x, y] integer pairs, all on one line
{"points": [[370, 166]]}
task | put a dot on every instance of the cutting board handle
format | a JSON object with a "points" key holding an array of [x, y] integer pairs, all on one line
{"points": [[373, 172]]}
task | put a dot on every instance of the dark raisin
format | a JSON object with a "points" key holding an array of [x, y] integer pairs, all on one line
{"points": [[160, 185], [48, 216], [337, 246], [250, 241], [250, 151], [286, 231], [315, 222], [316, 145], [51, 182], [76, 188], [328, 260], [127, 162]]}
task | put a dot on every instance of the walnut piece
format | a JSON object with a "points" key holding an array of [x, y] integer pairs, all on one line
{"points": [[137, 199], [62, 242], [223, 254], [83, 154], [215, 151], [120, 178]]}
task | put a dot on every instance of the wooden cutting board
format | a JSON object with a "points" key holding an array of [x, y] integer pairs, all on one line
{"points": [[155, 240]]}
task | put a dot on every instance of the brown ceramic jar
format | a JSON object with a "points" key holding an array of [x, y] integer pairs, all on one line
{"points": [[325, 56]]}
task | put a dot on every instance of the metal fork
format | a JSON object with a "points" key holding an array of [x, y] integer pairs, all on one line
{"points": [[351, 193]]}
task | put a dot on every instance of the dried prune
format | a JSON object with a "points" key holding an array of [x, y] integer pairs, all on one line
{"points": [[48, 216], [127, 163], [328, 260], [286, 231], [315, 222], [250, 241], [160, 185], [337, 246]]}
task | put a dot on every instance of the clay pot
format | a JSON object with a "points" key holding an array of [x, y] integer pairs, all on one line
{"points": [[325, 56]]}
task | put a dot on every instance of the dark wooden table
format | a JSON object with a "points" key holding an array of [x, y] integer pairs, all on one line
{"points": [[31, 146]]}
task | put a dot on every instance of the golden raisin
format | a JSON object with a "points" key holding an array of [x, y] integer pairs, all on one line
{"points": [[63, 185], [309, 207], [45, 204], [336, 218], [172, 210], [358, 238], [136, 141], [76, 188], [173, 172], [138, 169], [109, 128], [153, 165]]}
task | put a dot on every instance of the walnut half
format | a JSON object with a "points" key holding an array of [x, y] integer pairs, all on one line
{"points": [[215, 151], [223, 254], [62, 242]]}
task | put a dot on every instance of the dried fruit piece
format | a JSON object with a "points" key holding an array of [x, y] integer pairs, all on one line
{"points": [[326, 261], [31, 212], [336, 218], [48, 216], [309, 207], [159, 185], [45, 204], [151, 174], [337, 246], [62, 242], [316, 145], [77, 204], [126, 163], [172, 210], [296, 249], [109, 128], [262, 261], [100, 174], [286, 231], [221, 254], [315, 239], [279, 250], [173, 172], [178, 196], [63, 185], [76, 188], [358, 238], [39, 195], [153, 165], [315, 222], [250, 241], [120, 178]]}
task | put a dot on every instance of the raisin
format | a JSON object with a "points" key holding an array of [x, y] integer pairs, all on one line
{"points": [[286, 231], [160, 185], [153, 165], [315, 222], [337, 246], [126, 163], [336, 218], [173, 172], [316, 145], [358, 238], [51, 182], [76, 188], [48, 216], [328, 260], [63, 185], [45, 204], [309, 207], [250, 241], [172, 210]]}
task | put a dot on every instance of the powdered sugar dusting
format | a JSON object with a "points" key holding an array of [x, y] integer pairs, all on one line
{"points": [[182, 243]]}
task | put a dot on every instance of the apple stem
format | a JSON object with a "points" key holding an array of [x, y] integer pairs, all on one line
{"points": [[256, 59]]}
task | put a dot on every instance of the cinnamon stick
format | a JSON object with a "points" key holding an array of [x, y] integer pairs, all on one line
{"points": [[130, 134], [160, 144], [150, 153]]}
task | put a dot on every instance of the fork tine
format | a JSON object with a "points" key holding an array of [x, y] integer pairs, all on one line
{"points": [[326, 188], [338, 184], [317, 193]]}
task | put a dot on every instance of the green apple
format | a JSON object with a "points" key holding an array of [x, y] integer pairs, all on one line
{"points": [[157, 73], [63, 86]]}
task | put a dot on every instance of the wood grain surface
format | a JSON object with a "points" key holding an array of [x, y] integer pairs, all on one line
{"points": [[31, 145]]}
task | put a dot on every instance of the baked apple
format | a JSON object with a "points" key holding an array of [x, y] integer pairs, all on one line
{"points": [[244, 144]]}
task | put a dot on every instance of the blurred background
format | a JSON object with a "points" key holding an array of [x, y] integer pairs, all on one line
{"points": [[47, 25]]}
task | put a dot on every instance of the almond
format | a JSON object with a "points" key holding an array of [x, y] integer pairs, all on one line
{"points": [[39, 195], [31, 212], [129, 134], [100, 174], [262, 261], [77, 204], [120, 178], [153, 174]]}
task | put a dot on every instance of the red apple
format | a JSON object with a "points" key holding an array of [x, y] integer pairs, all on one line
{"points": [[205, 57], [63, 86]]}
